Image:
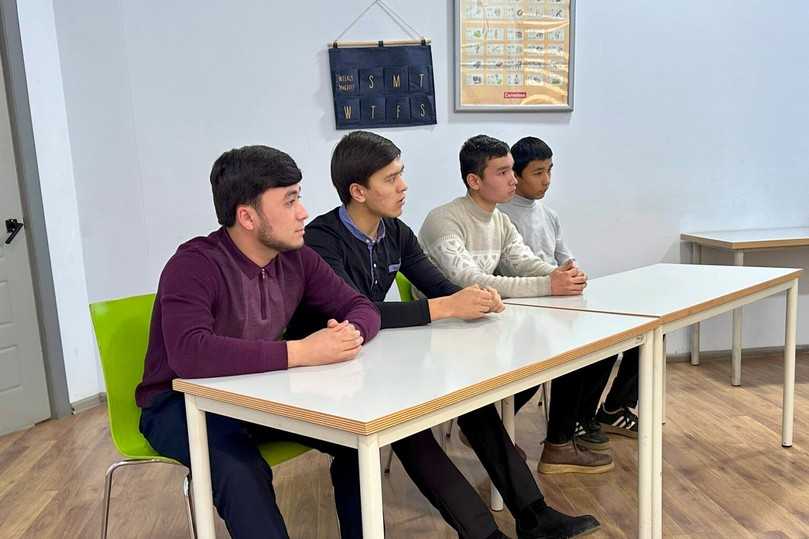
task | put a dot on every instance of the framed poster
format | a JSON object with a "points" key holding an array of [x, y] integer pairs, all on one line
{"points": [[514, 55]]}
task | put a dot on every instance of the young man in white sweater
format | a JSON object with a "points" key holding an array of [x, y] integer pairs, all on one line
{"points": [[472, 242], [542, 232]]}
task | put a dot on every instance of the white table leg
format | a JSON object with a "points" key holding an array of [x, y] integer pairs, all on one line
{"points": [[663, 391], [736, 362], [495, 499], [373, 523], [696, 258], [645, 436], [658, 400], [508, 416], [200, 469], [789, 365]]}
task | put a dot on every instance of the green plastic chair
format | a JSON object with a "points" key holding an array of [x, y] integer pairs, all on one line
{"points": [[405, 287], [405, 294], [122, 332]]}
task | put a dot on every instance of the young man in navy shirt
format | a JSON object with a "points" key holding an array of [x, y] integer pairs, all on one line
{"points": [[366, 244]]}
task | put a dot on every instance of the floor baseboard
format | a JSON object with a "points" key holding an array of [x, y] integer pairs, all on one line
{"points": [[725, 354], [90, 402]]}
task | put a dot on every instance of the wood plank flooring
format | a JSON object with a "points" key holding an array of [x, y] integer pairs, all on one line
{"points": [[725, 473]]}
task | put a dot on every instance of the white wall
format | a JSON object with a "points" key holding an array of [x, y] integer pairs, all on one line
{"points": [[689, 115], [54, 156]]}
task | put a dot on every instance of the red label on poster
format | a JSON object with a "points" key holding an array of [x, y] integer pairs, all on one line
{"points": [[512, 95]]}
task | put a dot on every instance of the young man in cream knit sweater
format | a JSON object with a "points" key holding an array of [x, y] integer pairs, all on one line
{"points": [[473, 242]]}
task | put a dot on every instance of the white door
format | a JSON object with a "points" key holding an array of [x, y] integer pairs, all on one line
{"points": [[23, 390]]}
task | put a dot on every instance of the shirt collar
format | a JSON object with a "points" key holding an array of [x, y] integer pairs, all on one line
{"points": [[248, 267], [523, 202], [476, 211], [345, 218]]}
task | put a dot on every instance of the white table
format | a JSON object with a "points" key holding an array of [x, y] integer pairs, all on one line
{"points": [[410, 379], [680, 295], [739, 241]]}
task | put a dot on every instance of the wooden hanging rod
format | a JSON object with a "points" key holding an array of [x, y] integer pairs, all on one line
{"points": [[380, 43]]}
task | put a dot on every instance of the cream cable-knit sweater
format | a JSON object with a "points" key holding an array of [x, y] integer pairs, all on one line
{"points": [[473, 246]]}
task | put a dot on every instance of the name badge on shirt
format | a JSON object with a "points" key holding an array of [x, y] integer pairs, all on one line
{"points": [[394, 267]]}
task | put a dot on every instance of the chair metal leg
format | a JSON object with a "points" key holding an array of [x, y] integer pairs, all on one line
{"points": [[189, 505], [105, 505], [546, 400], [105, 515], [390, 459]]}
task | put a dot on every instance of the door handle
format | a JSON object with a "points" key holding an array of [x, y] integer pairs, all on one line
{"points": [[13, 228]]}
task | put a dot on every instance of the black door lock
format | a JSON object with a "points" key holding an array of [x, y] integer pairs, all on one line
{"points": [[13, 227]]}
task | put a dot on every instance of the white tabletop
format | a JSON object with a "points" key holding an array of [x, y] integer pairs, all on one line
{"points": [[669, 291], [409, 367], [761, 238]]}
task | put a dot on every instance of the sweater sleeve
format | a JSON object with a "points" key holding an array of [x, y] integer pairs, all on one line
{"points": [[443, 239], [420, 271], [394, 314], [562, 254], [187, 295], [326, 292], [517, 258]]}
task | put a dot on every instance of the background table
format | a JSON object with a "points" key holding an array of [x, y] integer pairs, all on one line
{"points": [[739, 241], [410, 379]]}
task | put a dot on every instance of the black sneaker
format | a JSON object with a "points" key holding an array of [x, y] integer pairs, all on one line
{"points": [[623, 422], [548, 523], [588, 434]]}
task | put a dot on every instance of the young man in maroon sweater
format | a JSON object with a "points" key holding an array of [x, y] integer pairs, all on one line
{"points": [[222, 305]]}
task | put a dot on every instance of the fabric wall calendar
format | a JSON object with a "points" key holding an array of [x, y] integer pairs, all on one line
{"points": [[382, 86]]}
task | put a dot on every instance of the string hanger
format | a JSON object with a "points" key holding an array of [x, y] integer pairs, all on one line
{"points": [[417, 36]]}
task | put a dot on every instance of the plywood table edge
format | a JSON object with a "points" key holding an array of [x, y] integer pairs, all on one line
{"points": [[740, 245], [515, 301], [727, 298], [188, 386]]}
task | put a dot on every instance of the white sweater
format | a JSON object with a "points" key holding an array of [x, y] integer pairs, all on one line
{"points": [[540, 228], [473, 246]]}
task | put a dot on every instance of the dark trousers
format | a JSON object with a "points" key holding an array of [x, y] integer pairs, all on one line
{"points": [[242, 481], [576, 395], [569, 398], [494, 448], [444, 486], [624, 390]]}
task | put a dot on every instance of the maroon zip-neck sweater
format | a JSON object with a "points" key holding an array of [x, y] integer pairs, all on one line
{"points": [[219, 314]]}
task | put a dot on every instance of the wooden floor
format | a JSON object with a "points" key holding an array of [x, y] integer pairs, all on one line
{"points": [[725, 473]]}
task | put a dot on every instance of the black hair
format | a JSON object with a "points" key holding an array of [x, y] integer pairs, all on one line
{"points": [[529, 149], [357, 157], [241, 175], [477, 151]]}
